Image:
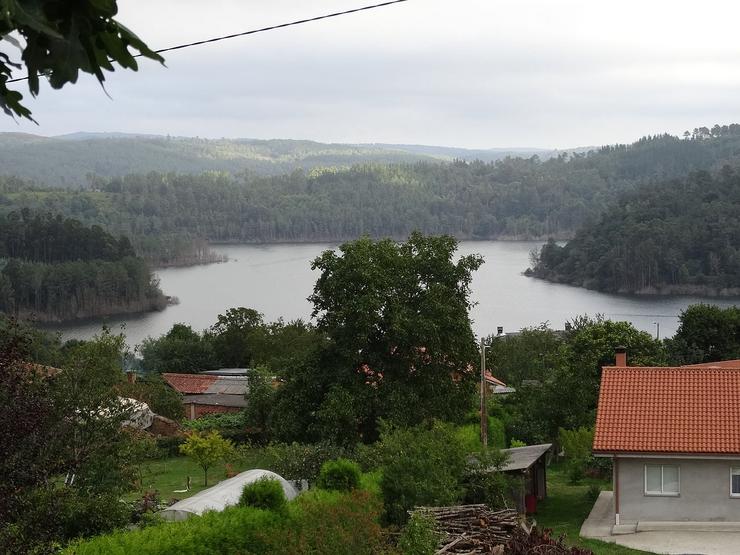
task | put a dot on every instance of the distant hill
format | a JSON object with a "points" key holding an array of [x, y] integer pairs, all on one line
{"points": [[673, 237], [67, 160]]}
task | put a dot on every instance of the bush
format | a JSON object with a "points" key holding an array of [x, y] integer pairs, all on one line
{"points": [[369, 457], [576, 471], [423, 465], [576, 444], [265, 493], [420, 536], [517, 443], [295, 461], [339, 475], [169, 446], [318, 522], [593, 493], [231, 425], [333, 523], [599, 467], [49, 516], [483, 483], [469, 435]]}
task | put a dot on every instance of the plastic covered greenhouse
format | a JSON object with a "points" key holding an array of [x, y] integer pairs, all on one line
{"points": [[222, 495]]}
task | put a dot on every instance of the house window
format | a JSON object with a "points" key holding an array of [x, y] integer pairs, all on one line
{"points": [[664, 479], [735, 482]]}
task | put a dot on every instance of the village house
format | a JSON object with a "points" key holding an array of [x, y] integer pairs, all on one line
{"points": [[210, 393], [674, 437], [496, 386]]}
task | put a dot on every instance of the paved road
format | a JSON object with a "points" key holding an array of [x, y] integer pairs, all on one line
{"points": [[599, 523]]}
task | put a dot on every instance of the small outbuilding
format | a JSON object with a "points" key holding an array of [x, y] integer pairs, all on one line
{"points": [[222, 495], [529, 465], [210, 393]]}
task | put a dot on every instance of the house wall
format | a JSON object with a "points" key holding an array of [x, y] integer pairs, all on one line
{"points": [[193, 411], [704, 492]]}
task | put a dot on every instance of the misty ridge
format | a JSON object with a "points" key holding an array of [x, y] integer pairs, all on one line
{"points": [[67, 160]]}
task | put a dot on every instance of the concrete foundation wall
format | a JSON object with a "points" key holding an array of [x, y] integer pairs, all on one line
{"points": [[704, 496]]}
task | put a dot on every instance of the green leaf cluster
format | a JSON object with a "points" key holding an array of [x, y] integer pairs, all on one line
{"points": [[60, 39]]}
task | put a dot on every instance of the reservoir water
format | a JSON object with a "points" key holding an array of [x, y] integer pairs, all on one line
{"points": [[276, 280]]}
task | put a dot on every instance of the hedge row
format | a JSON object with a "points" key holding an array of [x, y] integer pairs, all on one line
{"points": [[319, 522]]}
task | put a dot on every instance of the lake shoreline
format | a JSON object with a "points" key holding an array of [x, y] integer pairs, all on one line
{"points": [[726, 293], [276, 280]]}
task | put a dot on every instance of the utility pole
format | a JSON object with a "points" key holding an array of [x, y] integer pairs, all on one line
{"points": [[483, 390], [657, 330]]}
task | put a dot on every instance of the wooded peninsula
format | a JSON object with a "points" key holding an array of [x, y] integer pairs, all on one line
{"points": [[54, 269]]}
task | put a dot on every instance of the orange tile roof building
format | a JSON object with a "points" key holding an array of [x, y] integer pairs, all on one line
{"points": [[674, 437], [208, 393]]}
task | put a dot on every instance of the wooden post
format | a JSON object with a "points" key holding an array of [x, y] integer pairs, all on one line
{"points": [[615, 470], [483, 390]]}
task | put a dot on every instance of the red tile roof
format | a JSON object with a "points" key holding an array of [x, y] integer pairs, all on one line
{"points": [[490, 378], [668, 410], [189, 383], [718, 364]]}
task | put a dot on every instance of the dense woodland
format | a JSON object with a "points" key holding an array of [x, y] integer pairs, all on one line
{"points": [[171, 217], [57, 269], [679, 236]]}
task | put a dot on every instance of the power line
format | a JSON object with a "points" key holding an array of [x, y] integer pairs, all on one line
{"points": [[262, 30]]}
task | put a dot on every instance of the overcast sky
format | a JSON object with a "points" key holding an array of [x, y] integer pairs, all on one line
{"points": [[472, 73]]}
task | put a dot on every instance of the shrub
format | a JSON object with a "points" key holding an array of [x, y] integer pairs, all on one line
{"points": [[318, 522], [593, 493], [169, 446], [483, 483], [369, 457], [420, 536], [49, 516], [265, 493], [423, 465], [231, 425], [295, 461], [332, 523], [576, 471], [469, 435], [339, 475], [600, 467], [576, 444], [517, 443]]}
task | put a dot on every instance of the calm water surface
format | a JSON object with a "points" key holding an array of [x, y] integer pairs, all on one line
{"points": [[276, 279]]}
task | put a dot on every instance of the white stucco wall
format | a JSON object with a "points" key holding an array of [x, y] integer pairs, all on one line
{"points": [[704, 496]]}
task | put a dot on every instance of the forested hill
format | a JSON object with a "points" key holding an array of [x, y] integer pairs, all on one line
{"points": [[67, 161], [52, 269], [171, 216], [673, 237]]}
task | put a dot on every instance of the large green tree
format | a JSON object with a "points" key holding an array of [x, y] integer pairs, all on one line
{"points": [[566, 394], [58, 39], [707, 333], [64, 456], [400, 344], [180, 350]]}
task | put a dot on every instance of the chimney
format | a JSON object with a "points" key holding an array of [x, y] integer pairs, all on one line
{"points": [[131, 376], [620, 356]]}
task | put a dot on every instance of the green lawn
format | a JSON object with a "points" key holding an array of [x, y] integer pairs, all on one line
{"points": [[168, 475], [567, 506]]}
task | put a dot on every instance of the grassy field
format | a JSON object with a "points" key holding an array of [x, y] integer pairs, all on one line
{"points": [[567, 506], [168, 475]]}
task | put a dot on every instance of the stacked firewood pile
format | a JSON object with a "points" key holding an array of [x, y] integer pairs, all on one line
{"points": [[472, 529], [477, 530]]}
